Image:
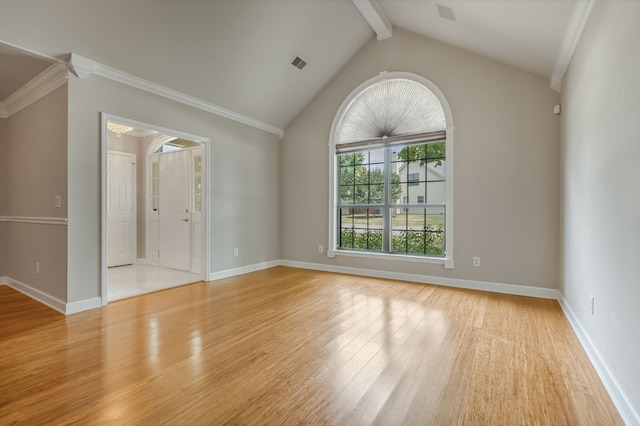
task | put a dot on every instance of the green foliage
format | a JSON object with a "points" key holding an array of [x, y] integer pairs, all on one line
{"points": [[429, 240], [361, 184], [371, 240], [432, 153]]}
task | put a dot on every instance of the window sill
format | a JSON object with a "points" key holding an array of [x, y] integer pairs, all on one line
{"points": [[448, 263]]}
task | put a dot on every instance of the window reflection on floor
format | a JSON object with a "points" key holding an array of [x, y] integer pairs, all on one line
{"points": [[133, 280]]}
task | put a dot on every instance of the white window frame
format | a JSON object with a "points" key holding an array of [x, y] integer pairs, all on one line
{"points": [[333, 251]]}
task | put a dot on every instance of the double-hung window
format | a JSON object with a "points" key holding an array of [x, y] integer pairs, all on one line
{"points": [[389, 179]]}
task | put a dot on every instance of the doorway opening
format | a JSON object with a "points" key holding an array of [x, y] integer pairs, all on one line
{"points": [[155, 219]]}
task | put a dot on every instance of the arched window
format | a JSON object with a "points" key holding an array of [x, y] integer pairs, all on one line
{"points": [[391, 146]]}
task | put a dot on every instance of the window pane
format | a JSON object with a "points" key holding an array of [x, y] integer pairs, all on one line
{"points": [[399, 218], [361, 193], [435, 192], [197, 164], [347, 160], [418, 231], [362, 177], [197, 183], [435, 216], [361, 228], [376, 173], [436, 171], [435, 151], [376, 194], [197, 203]]}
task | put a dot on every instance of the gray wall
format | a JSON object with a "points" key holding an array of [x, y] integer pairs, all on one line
{"points": [[243, 187], [34, 148], [506, 165], [601, 214]]}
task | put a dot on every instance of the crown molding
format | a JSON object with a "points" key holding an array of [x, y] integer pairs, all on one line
{"points": [[577, 22], [83, 67], [44, 83]]}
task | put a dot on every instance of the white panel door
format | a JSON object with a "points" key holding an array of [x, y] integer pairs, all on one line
{"points": [[121, 211], [174, 229]]}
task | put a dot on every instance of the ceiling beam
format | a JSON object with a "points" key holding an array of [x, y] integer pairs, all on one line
{"points": [[375, 17]]}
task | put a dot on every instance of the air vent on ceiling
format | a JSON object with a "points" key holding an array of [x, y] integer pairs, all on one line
{"points": [[446, 12], [299, 63]]}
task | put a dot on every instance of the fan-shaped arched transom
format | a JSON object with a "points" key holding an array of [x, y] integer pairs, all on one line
{"points": [[388, 108]]}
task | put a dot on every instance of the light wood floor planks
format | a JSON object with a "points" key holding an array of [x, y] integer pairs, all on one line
{"points": [[293, 346]]}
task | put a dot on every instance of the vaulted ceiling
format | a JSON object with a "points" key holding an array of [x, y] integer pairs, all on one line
{"points": [[237, 54]]}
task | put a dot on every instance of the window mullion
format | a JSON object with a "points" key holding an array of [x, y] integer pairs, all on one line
{"points": [[386, 210]]}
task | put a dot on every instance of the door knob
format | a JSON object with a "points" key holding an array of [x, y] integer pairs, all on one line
{"points": [[185, 220]]}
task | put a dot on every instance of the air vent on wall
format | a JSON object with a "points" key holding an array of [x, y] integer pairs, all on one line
{"points": [[299, 63]]}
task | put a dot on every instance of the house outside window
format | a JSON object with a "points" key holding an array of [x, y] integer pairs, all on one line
{"points": [[391, 187]]}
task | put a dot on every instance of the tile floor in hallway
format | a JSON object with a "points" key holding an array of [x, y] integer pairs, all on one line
{"points": [[133, 280]]}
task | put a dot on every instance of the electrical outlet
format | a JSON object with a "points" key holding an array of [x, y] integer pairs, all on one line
{"points": [[320, 249], [592, 302], [235, 252], [57, 201], [37, 267], [476, 261]]}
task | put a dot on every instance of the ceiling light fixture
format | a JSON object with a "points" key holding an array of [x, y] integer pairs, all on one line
{"points": [[118, 129]]}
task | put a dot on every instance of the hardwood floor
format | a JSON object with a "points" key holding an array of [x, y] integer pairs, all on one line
{"points": [[293, 346]]}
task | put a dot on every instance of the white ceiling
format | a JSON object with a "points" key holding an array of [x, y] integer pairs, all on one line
{"points": [[237, 54], [524, 33]]}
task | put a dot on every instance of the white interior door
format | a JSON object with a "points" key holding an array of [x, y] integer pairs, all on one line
{"points": [[121, 210], [174, 229]]}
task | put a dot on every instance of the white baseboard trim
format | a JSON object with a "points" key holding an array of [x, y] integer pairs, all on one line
{"points": [[50, 301], [83, 305], [40, 296], [619, 398], [243, 270], [518, 290]]}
